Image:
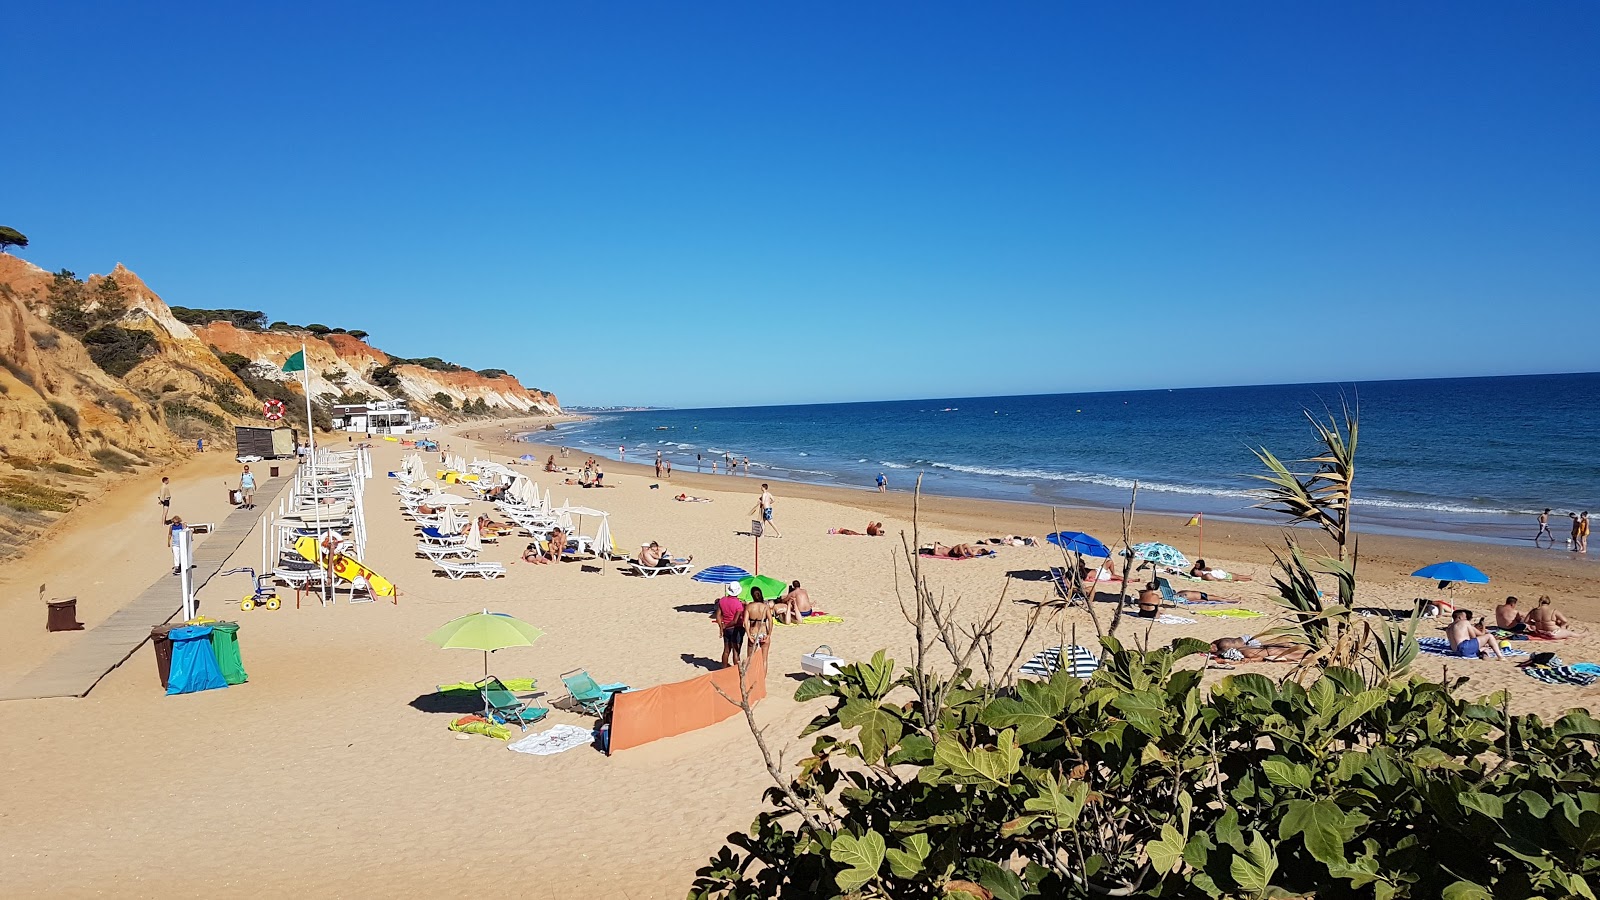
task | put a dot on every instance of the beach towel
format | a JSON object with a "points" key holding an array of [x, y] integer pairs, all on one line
{"points": [[814, 619], [1586, 668], [480, 725], [1439, 646], [1169, 619], [1229, 613], [1561, 675], [553, 740], [515, 685], [1047, 662]]}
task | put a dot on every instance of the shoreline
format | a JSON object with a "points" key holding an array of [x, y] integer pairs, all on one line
{"points": [[1515, 571]]}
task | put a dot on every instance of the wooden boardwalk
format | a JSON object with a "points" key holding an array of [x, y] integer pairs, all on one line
{"points": [[76, 670]]}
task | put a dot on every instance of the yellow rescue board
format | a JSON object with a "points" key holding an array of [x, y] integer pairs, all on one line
{"points": [[345, 567]]}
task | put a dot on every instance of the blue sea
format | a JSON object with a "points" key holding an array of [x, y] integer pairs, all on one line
{"points": [[1464, 457]]}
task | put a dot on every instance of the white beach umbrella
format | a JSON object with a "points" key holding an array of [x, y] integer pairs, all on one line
{"points": [[474, 537], [445, 500], [602, 536], [448, 523], [547, 498]]}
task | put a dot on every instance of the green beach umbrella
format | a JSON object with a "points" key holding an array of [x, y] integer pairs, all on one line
{"points": [[485, 631], [1160, 554], [771, 588]]}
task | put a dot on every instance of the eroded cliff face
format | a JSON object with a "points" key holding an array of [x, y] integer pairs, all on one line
{"points": [[341, 365]]}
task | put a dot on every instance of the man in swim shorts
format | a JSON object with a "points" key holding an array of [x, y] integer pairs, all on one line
{"points": [[1468, 640], [765, 505]]}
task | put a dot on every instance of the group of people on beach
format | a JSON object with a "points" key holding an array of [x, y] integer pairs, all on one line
{"points": [[1577, 538], [746, 627]]}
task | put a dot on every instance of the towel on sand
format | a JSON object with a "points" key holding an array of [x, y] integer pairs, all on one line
{"points": [[480, 725], [1229, 613], [515, 685], [1439, 646], [552, 740], [1169, 619], [814, 619], [1562, 675]]}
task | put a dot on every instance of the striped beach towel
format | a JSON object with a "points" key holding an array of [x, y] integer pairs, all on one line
{"points": [[1561, 675], [1439, 646], [1047, 662]]}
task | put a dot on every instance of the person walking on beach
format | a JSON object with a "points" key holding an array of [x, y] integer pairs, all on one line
{"points": [[747, 467], [1572, 535], [668, 464], [247, 489], [727, 462], [174, 529], [164, 497], [883, 484], [765, 505], [697, 461], [658, 463], [1544, 528], [1583, 532]]}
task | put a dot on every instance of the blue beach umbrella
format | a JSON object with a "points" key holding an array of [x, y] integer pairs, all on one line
{"points": [[720, 575], [528, 457], [1078, 542], [1452, 571], [1160, 554]]}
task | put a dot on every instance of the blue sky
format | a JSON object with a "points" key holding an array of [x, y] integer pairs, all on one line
{"points": [[727, 204]]}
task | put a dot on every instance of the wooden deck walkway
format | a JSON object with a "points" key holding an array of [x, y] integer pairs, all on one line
{"points": [[76, 670]]}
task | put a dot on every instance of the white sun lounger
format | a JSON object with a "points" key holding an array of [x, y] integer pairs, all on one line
{"points": [[437, 552], [644, 571], [460, 570]]}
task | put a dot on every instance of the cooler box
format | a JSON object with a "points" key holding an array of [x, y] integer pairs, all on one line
{"points": [[820, 662]]}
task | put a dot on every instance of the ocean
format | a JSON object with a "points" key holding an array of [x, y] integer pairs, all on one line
{"points": [[1472, 458]]}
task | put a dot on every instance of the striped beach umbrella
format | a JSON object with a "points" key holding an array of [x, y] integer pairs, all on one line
{"points": [[720, 575], [1160, 554], [1080, 663]]}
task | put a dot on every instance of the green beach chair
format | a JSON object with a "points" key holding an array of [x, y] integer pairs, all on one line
{"points": [[590, 697], [501, 705]]}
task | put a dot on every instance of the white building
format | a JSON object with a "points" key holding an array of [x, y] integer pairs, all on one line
{"points": [[378, 417]]}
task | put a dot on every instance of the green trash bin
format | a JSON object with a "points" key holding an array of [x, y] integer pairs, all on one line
{"points": [[225, 646]]}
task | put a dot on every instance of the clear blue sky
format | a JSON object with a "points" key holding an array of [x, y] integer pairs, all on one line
{"points": [[729, 204]]}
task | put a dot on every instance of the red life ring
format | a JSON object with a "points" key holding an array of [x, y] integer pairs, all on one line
{"points": [[273, 410]]}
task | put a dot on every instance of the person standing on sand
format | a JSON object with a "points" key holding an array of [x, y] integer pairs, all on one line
{"points": [[247, 489], [883, 484], [622, 454], [164, 497], [697, 461], [668, 464], [765, 505], [658, 463], [1544, 528], [1583, 532], [729, 616]]}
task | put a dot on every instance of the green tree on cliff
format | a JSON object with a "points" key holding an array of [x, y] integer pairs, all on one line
{"points": [[10, 237]]}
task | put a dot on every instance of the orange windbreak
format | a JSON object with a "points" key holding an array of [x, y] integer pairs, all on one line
{"points": [[639, 717]]}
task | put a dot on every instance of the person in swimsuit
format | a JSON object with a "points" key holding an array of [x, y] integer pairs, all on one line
{"points": [[1544, 528], [1507, 617], [1206, 573], [1543, 621], [653, 557], [757, 620], [794, 605], [728, 613], [1468, 640], [1250, 649], [1583, 532], [764, 503]]}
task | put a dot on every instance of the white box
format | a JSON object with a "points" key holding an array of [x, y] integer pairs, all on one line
{"points": [[820, 662]]}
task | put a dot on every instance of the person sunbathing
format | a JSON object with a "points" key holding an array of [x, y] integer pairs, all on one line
{"points": [[1013, 540], [534, 553], [957, 551], [1248, 648], [1507, 617], [1102, 572], [1191, 596], [1543, 621], [794, 605], [1206, 573], [1468, 640], [874, 529], [653, 557]]}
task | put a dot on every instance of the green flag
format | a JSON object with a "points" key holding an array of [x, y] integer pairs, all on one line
{"points": [[296, 363]]}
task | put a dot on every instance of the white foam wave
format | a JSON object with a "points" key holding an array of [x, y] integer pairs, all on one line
{"points": [[892, 465]]}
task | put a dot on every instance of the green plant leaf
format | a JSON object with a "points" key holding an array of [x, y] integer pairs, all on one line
{"points": [[878, 727], [1320, 824], [1144, 710], [1490, 805], [862, 856], [1000, 881], [1166, 852], [1464, 890], [907, 863], [1287, 774], [1253, 869], [812, 688], [1062, 804], [1032, 712], [977, 766]]}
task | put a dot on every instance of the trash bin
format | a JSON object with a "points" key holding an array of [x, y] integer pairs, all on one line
{"points": [[194, 666], [63, 615], [272, 471], [225, 644], [235, 497], [163, 647]]}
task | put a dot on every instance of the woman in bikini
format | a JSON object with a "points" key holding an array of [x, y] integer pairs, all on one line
{"points": [[757, 620]]}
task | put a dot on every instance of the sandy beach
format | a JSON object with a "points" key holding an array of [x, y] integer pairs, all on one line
{"points": [[332, 770]]}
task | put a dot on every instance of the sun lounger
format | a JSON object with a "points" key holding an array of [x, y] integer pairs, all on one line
{"points": [[437, 552], [586, 694], [431, 535], [677, 567], [1063, 585], [503, 706], [460, 570], [1168, 595]]}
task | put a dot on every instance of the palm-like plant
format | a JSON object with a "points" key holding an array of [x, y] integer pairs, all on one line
{"points": [[1321, 496]]}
